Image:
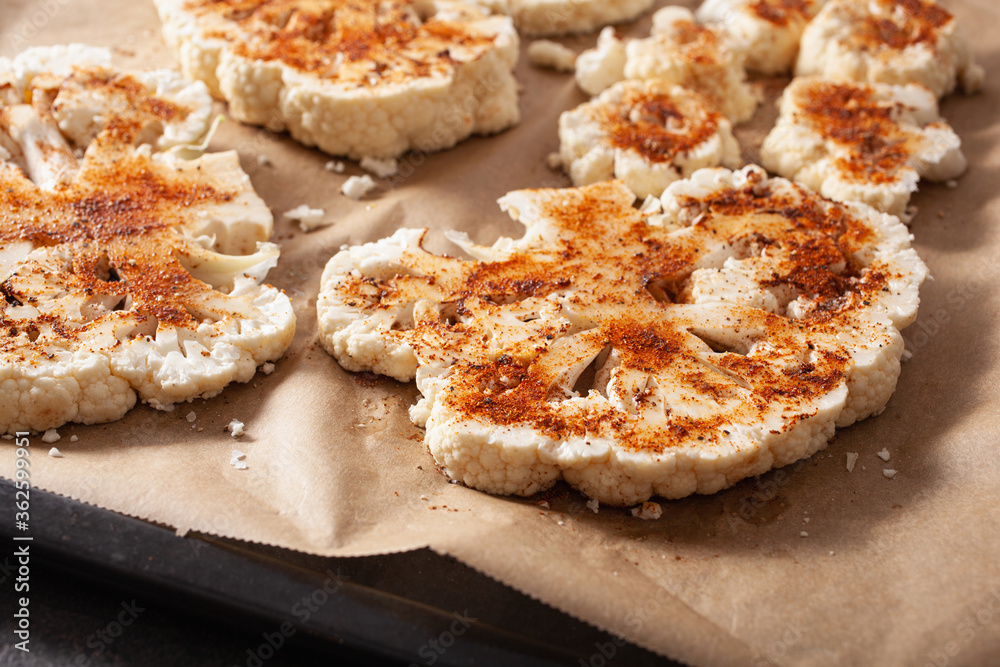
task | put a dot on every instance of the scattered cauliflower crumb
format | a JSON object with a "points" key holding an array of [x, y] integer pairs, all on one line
{"points": [[884, 454], [308, 218], [240, 465], [803, 534], [544, 505], [380, 167], [73, 438], [553, 55], [553, 160], [55, 453], [235, 428], [263, 160], [237, 460], [805, 520], [423, 497], [51, 436], [889, 472], [191, 416], [267, 368], [648, 511], [335, 166], [594, 505], [907, 355], [357, 187], [951, 184], [852, 458]]}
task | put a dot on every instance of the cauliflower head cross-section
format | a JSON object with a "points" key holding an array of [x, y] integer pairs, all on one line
{"points": [[635, 353], [365, 78], [862, 142], [125, 269]]}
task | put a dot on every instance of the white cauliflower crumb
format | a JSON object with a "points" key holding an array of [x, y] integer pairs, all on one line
{"points": [[852, 458], [889, 472], [553, 161], [884, 454], [544, 505], [803, 534], [267, 368], [263, 160], [237, 455], [552, 55], [55, 453], [382, 168], [335, 166], [648, 511], [594, 505], [240, 465], [357, 187], [51, 436], [191, 416], [73, 438], [308, 218], [423, 497], [235, 428]]}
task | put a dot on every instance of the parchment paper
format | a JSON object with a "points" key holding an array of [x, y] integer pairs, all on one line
{"points": [[807, 565]]}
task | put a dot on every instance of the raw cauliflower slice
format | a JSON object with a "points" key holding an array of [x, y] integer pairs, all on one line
{"points": [[678, 51], [765, 33], [363, 79], [609, 347], [858, 142], [889, 41], [130, 270], [647, 133], [559, 17]]}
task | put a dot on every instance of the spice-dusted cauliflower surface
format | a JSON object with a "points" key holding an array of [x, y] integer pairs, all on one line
{"points": [[631, 353], [364, 78], [647, 133], [765, 33], [868, 143], [678, 51], [889, 41], [126, 268], [557, 17]]}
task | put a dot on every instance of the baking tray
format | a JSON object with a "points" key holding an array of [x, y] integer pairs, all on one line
{"points": [[386, 608]]}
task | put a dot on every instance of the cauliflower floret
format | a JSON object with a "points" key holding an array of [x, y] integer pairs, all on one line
{"points": [[556, 17], [648, 133], [553, 55], [595, 348], [764, 33], [441, 74], [857, 142], [680, 51], [115, 283], [603, 65], [883, 41]]}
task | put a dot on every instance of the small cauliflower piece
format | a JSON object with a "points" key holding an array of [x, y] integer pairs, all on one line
{"points": [[307, 217], [357, 187], [55, 453], [382, 168], [603, 65], [370, 78], [858, 142], [235, 428], [552, 55], [647, 133], [648, 511], [764, 33], [134, 270], [559, 17], [50, 436], [889, 41], [667, 350]]}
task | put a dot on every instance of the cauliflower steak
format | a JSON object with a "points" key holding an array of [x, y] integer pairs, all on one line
{"points": [[868, 143], [125, 268], [647, 133], [364, 78], [635, 352]]}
